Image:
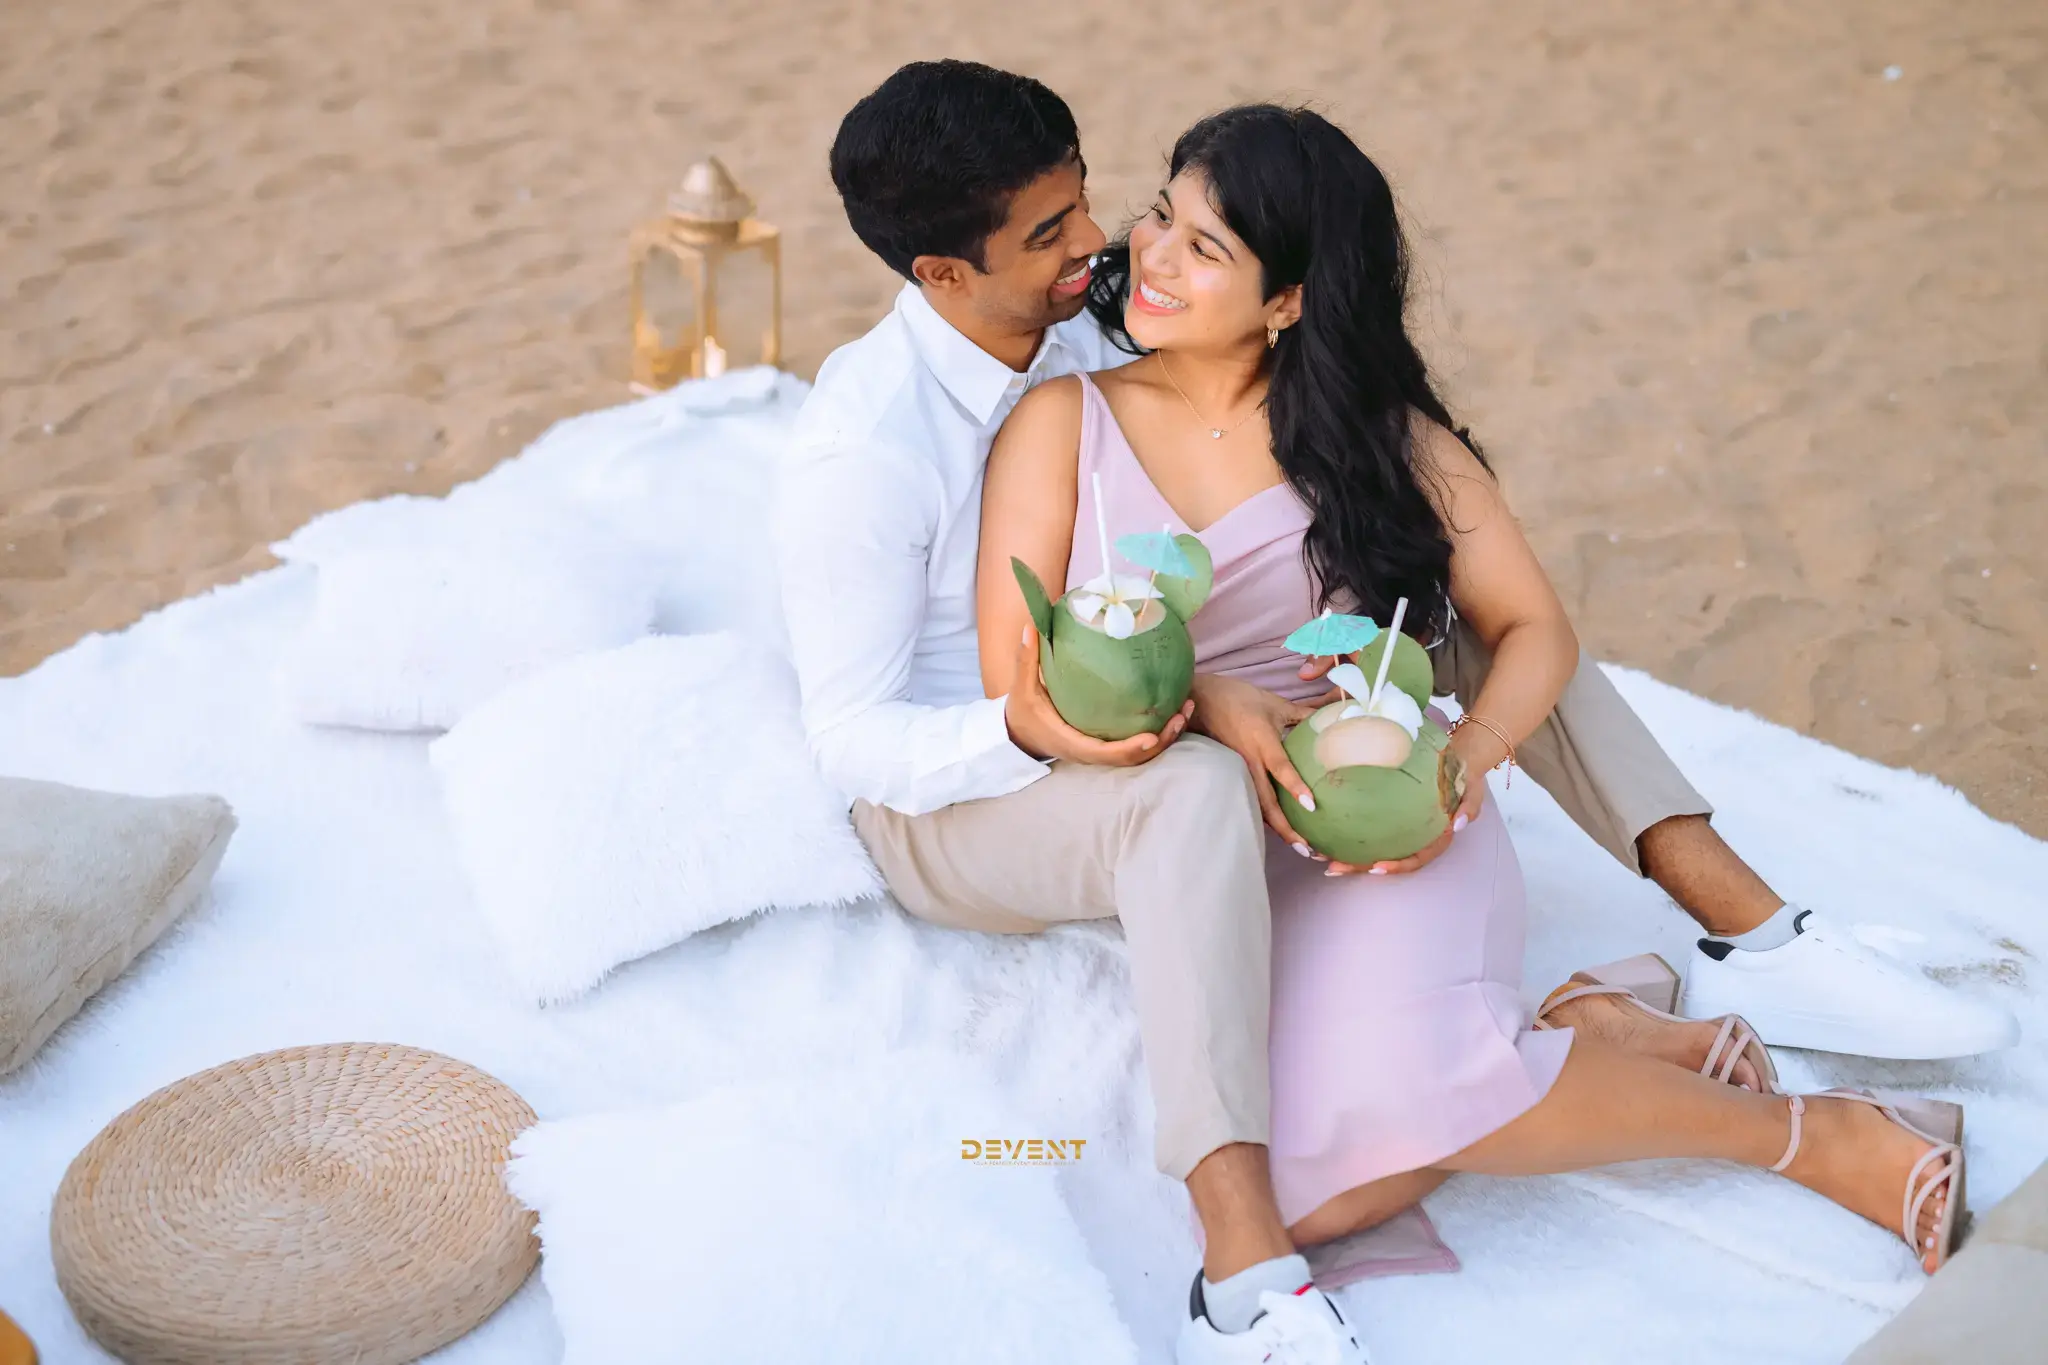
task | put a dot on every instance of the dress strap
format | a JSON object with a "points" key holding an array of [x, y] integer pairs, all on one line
{"points": [[1093, 410]]}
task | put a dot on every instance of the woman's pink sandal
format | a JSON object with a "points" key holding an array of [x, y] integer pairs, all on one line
{"points": [[1651, 985], [1945, 1156]]}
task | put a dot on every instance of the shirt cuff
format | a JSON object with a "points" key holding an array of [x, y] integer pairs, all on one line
{"points": [[997, 765]]}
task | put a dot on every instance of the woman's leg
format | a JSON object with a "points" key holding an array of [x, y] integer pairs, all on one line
{"points": [[1609, 1105], [1366, 1206], [1612, 1020]]}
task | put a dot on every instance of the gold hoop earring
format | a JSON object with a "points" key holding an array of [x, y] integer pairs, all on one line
{"points": [[1272, 337]]}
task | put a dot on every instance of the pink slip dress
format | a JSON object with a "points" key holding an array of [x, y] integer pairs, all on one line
{"points": [[1398, 1031]]}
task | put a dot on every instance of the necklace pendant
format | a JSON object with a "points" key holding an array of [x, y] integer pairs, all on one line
{"points": [[1216, 433]]}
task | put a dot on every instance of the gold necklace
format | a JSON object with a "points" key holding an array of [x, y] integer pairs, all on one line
{"points": [[1215, 433]]}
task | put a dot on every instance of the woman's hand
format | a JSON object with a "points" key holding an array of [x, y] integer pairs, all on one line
{"points": [[1252, 720], [1482, 751]]}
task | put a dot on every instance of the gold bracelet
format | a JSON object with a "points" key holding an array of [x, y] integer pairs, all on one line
{"points": [[1498, 733]]}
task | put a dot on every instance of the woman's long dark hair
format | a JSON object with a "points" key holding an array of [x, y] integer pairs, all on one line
{"points": [[1345, 380]]}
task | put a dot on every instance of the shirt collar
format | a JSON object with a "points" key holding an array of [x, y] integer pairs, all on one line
{"points": [[975, 379]]}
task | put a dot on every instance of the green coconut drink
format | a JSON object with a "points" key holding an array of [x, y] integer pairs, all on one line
{"points": [[1412, 672], [1115, 652], [1383, 775]]}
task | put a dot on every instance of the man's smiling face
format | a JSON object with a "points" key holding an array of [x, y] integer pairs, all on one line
{"points": [[1035, 266]]}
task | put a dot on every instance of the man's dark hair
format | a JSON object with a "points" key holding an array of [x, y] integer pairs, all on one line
{"points": [[927, 164]]}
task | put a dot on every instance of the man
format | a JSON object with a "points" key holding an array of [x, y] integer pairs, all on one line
{"points": [[993, 814]]}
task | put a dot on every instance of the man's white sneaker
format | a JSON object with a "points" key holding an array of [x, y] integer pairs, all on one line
{"points": [[1829, 991], [1303, 1328]]}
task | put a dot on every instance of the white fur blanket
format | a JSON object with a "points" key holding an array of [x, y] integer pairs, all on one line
{"points": [[340, 913]]}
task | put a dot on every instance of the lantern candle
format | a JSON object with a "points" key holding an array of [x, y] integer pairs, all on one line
{"points": [[707, 270]]}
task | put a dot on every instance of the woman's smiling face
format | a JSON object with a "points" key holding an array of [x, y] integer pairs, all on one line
{"points": [[1194, 285]]}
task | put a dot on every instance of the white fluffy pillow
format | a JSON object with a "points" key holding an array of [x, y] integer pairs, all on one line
{"points": [[801, 1220], [623, 801], [413, 637]]}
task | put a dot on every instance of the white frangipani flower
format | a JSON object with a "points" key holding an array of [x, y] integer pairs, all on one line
{"points": [[1351, 679], [1393, 704], [1115, 599]]}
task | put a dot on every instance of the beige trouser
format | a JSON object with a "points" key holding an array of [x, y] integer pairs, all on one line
{"points": [[1593, 754], [1175, 848]]}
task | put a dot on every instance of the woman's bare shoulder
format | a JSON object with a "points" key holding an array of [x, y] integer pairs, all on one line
{"points": [[1465, 491], [1124, 378], [1061, 396], [1438, 449], [1044, 429]]}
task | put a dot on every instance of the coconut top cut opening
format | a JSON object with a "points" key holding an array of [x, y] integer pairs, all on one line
{"points": [[1149, 615], [1326, 716], [1362, 742]]}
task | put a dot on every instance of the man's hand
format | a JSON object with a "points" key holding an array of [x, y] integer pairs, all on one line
{"points": [[1252, 721], [1037, 728]]}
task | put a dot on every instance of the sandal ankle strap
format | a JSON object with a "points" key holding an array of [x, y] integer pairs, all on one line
{"points": [[1922, 1183], [1798, 1111], [1561, 997]]}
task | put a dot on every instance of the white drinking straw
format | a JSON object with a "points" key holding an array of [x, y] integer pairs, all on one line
{"points": [[1102, 531], [1387, 654]]}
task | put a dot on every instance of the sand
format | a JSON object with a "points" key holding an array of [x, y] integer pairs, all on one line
{"points": [[1746, 301]]}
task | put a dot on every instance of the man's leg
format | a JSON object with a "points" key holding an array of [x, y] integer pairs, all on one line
{"points": [[1801, 982], [1176, 850], [1599, 762], [1686, 856]]}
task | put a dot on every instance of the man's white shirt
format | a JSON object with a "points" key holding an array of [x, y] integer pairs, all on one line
{"points": [[878, 520]]}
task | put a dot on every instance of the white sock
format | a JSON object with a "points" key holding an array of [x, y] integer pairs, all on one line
{"points": [[1775, 932], [1235, 1302]]}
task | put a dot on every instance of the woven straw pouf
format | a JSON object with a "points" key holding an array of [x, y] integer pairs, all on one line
{"points": [[340, 1203]]}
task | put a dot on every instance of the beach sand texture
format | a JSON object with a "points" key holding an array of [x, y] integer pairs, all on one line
{"points": [[1753, 328]]}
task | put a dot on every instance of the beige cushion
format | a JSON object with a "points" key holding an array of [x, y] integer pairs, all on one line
{"points": [[1988, 1306], [88, 880]]}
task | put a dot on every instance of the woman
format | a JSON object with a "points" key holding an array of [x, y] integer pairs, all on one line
{"points": [[1279, 410]]}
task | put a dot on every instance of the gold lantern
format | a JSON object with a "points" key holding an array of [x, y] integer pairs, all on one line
{"points": [[707, 284]]}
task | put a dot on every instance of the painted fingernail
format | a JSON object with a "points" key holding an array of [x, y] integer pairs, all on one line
{"points": [[1376, 871], [1459, 824], [1333, 872], [1303, 850], [1308, 803]]}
